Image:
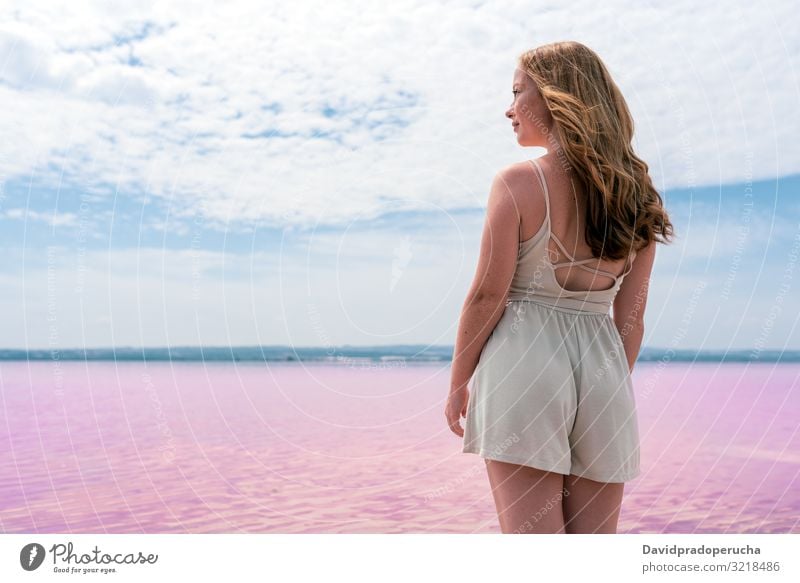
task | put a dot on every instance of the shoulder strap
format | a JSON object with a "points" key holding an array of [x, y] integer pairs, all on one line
{"points": [[543, 182]]}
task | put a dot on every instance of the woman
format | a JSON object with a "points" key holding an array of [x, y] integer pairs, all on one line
{"points": [[567, 237]]}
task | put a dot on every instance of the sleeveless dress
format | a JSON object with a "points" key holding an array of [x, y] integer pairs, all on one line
{"points": [[552, 389]]}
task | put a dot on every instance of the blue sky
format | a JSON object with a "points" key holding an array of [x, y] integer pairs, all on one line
{"points": [[318, 174]]}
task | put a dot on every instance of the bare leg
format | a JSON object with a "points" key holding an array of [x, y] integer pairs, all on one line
{"points": [[591, 507], [528, 500]]}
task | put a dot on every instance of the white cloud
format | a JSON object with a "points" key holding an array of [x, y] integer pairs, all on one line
{"points": [[59, 219], [160, 97]]}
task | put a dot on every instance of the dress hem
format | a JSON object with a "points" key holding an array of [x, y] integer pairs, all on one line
{"points": [[546, 467], [529, 461]]}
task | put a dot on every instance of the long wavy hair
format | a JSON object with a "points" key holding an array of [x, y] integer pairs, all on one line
{"points": [[624, 212]]}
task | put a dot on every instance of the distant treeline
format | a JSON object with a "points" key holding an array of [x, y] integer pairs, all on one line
{"points": [[353, 355]]}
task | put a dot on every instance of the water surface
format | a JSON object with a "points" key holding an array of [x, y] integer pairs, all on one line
{"points": [[323, 448]]}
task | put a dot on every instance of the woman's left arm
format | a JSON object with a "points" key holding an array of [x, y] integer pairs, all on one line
{"points": [[497, 262]]}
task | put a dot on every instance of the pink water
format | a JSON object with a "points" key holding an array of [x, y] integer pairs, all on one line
{"points": [[216, 448]]}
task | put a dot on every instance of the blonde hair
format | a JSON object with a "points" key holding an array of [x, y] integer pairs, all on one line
{"points": [[624, 211]]}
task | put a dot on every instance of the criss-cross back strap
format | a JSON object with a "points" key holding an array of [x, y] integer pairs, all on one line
{"points": [[579, 262], [572, 261]]}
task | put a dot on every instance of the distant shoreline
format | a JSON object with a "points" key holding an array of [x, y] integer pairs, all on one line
{"points": [[386, 356]]}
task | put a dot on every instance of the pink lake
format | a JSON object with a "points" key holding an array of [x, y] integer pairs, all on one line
{"points": [[318, 448]]}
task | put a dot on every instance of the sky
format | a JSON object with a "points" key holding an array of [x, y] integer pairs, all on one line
{"points": [[316, 173]]}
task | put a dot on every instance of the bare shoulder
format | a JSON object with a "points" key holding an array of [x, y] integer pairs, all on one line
{"points": [[516, 171], [518, 180]]}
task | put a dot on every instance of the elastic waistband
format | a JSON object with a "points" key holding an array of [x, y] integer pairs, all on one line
{"points": [[600, 311]]}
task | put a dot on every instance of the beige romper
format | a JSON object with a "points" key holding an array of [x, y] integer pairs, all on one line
{"points": [[552, 389]]}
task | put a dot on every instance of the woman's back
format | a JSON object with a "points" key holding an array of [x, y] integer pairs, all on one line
{"points": [[555, 265]]}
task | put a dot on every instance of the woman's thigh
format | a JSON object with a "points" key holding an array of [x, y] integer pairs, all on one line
{"points": [[528, 500], [591, 507]]}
